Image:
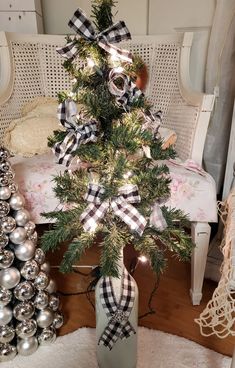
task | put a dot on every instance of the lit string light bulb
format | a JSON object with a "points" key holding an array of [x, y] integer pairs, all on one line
{"points": [[142, 259]]}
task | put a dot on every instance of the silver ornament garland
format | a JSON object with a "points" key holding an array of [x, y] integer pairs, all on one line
{"points": [[29, 307]]}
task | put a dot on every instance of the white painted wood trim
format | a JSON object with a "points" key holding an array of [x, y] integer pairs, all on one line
{"points": [[6, 65]]}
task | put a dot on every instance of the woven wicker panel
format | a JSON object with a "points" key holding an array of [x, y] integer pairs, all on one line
{"points": [[164, 94]]}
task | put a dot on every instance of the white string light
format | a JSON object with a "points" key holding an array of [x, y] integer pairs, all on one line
{"points": [[142, 259]]}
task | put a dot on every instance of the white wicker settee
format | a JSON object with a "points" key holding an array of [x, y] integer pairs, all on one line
{"points": [[31, 67]]}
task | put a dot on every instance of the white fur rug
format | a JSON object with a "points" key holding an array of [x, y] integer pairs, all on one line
{"points": [[156, 350]]}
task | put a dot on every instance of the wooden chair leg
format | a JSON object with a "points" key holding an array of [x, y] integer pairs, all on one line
{"points": [[200, 232]]}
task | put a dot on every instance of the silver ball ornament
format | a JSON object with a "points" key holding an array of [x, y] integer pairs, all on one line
{"points": [[6, 258], [47, 336], [26, 328], [22, 217], [3, 240], [41, 300], [24, 291], [45, 318], [41, 281], [23, 310], [5, 180], [30, 270], [54, 302], [51, 288], [7, 333], [30, 227], [8, 224], [4, 208], [5, 193], [7, 352], [33, 237], [13, 187], [39, 256], [27, 346], [9, 277], [5, 296], [4, 154], [58, 320], [5, 315], [45, 267], [25, 251], [18, 236], [5, 166], [17, 201]]}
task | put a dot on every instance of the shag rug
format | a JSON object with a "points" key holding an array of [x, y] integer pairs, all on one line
{"points": [[156, 350]]}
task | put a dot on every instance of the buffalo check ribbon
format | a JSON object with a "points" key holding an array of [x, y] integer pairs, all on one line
{"points": [[84, 28], [152, 121], [121, 206], [157, 219], [128, 91], [76, 134], [118, 313]]}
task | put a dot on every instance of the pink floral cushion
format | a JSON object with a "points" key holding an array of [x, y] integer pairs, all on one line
{"points": [[192, 189]]}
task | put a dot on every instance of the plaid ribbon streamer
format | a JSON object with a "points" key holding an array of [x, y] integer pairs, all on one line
{"points": [[152, 121], [118, 314], [76, 134], [157, 219], [115, 33], [125, 95], [121, 206]]}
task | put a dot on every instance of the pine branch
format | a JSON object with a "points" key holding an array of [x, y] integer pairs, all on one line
{"points": [[102, 13]]}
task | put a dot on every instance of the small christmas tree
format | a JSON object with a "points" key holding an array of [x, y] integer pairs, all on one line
{"points": [[116, 183], [28, 303]]}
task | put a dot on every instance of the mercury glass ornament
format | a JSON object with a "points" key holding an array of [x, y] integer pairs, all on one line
{"points": [[27, 346], [24, 291], [23, 310], [13, 187], [7, 333], [33, 237], [41, 300], [47, 336], [54, 302], [4, 154], [8, 224], [30, 227], [30, 270], [5, 180], [6, 258], [58, 320], [26, 328], [9, 277], [18, 235], [17, 201], [7, 352], [3, 239], [22, 217], [10, 175], [39, 256], [45, 317], [5, 315], [25, 251], [5, 166], [5, 193], [5, 296], [51, 288], [41, 281], [45, 267], [4, 208]]}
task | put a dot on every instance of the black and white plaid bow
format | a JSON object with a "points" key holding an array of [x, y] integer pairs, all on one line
{"points": [[118, 314], [121, 206], [128, 91], [76, 134], [157, 219], [115, 33]]}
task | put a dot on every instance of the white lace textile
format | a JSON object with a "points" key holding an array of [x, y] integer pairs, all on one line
{"points": [[219, 315]]}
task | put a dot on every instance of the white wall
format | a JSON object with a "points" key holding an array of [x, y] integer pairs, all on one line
{"points": [[57, 14], [148, 17]]}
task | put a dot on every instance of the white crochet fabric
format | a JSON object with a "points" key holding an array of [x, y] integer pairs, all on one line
{"points": [[156, 350]]}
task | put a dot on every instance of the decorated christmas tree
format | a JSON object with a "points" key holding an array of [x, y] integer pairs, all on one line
{"points": [[29, 313], [116, 183]]}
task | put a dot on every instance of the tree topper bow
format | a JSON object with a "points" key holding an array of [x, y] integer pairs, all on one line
{"points": [[115, 33]]}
